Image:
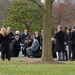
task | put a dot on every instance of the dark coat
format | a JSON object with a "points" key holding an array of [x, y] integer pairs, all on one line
{"points": [[60, 40], [19, 37], [15, 48], [23, 37], [72, 38], [39, 39], [24, 48], [66, 39], [11, 36], [5, 44], [53, 47]]}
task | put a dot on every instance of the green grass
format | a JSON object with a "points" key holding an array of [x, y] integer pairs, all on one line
{"points": [[19, 67]]}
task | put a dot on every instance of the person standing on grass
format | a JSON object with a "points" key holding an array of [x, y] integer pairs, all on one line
{"points": [[11, 37], [5, 44], [70, 49], [72, 40], [10, 33], [60, 46], [66, 43]]}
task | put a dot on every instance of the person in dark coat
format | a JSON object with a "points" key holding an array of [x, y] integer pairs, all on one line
{"points": [[25, 35], [72, 39], [18, 33], [66, 43], [53, 47], [15, 46], [11, 37], [60, 39], [5, 44], [70, 49]]}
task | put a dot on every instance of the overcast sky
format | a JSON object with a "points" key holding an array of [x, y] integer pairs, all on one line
{"points": [[44, 1], [57, 1]]}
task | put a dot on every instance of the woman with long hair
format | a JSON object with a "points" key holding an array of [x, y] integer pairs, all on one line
{"points": [[5, 44]]}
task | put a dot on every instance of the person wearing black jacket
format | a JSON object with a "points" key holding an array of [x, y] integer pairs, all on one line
{"points": [[70, 49], [18, 33], [11, 35], [5, 45], [72, 39], [25, 35], [60, 46], [15, 46]]}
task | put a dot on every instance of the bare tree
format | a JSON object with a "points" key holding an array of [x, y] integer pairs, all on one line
{"points": [[64, 13]]}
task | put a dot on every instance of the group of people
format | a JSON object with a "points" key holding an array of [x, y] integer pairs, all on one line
{"points": [[11, 44], [63, 43]]}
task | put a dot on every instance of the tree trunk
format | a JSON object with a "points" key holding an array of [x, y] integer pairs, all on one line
{"points": [[47, 25]]}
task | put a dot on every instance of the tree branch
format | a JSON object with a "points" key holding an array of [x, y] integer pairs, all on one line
{"points": [[39, 4]]}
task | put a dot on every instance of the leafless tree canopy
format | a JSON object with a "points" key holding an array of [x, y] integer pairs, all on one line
{"points": [[64, 13]]}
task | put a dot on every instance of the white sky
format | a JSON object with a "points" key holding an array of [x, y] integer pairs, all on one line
{"points": [[55, 1], [42, 1]]}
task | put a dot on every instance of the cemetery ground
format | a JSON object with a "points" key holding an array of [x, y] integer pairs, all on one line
{"points": [[34, 66]]}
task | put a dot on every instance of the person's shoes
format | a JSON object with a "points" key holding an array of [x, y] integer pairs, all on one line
{"points": [[31, 57], [74, 60], [58, 60], [28, 56], [71, 59], [8, 59], [2, 59], [61, 60], [67, 59]]}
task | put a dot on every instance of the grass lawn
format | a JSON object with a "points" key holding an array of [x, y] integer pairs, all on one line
{"points": [[22, 66]]}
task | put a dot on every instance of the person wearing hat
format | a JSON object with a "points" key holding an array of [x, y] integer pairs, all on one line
{"points": [[15, 46]]}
